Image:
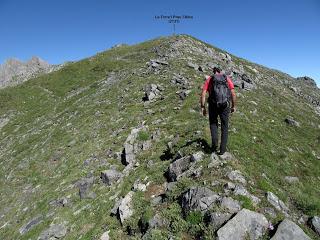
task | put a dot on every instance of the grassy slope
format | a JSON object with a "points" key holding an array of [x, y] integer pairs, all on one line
{"points": [[53, 130]]}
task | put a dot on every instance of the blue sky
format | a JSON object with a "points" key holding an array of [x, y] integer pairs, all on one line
{"points": [[281, 34]]}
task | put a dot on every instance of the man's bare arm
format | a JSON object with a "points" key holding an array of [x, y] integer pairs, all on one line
{"points": [[203, 103], [233, 100]]}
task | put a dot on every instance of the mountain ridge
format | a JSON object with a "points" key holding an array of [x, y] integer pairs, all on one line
{"points": [[114, 146]]}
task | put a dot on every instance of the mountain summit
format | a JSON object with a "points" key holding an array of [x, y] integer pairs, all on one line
{"points": [[114, 147]]}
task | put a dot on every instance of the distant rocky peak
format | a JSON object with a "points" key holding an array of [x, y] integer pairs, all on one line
{"points": [[13, 71]]}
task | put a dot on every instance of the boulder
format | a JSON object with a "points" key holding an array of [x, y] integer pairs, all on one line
{"points": [[237, 176], [105, 236], [151, 92], [198, 156], [217, 219], [277, 203], [288, 230], [198, 199], [110, 176], [290, 121], [245, 225], [85, 185], [291, 180], [230, 205], [56, 231], [315, 224], [177, 168], [125, 210]]}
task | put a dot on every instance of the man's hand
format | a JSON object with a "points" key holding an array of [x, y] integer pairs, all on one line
{"points": [[204, 111], [233, 109]]}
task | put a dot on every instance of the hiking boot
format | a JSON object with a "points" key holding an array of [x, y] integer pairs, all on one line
{"points": [[221, 153]]}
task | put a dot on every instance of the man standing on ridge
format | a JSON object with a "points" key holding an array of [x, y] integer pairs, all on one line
{"points": [[221, 90]]}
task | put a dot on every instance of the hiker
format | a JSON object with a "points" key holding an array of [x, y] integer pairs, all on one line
{"points": [[221, 90]]}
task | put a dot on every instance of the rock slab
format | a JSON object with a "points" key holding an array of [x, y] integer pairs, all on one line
{"points": [[245, 225], [288, 230]]}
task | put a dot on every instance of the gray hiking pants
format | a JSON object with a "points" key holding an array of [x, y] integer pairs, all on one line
{"points": [[223, 113]]}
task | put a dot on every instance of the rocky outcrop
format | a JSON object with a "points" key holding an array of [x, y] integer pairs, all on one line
{"points": [[177, 168], [307, 80], [277, 203], [245, 225], [315, 224], [35, 221]]}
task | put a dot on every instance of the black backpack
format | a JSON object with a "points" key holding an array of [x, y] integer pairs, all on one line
{"points": [[220, 92]]}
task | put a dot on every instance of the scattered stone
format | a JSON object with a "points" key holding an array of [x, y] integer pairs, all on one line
{"points": [[137, 186], [270, 211], [291, 180], [156, 200], [290, 121], [110, 176], [125, 210], [85, 185], [241, 190], [231, 205], [170, 186], [56, 231], [183, 94], [217, 219], [288, 230], [105, 236], [245, 225], [177, 168], [277, 203], [35, 221], [236, 175], [215, 161], [151, 92], [226, 157], [115, 208], [198, 156], [199, 199], [315, 224], [128, 155], [146, 145], [157, 221]]}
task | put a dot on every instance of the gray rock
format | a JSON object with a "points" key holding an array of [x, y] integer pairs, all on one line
{"points": [[105, 236], [146, 145], [277, 203], [156, 200], [56, 231], [183, 94], [288, 230], [217, 219], [245, 225], [236, 175], [125, 209], [157, 221], [291, 180], [171, 186], [177, 168], [110, 176], [152, 91], [138, 186], [292, 122], [315, 224], [198, 156], [199, 199], [215, 161], [114, 210], [241, 190], [85, 185], [35, 221], [227, 157], [230, 205]]}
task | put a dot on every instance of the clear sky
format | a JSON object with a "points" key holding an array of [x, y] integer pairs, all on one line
{"points": [[281, 34]]}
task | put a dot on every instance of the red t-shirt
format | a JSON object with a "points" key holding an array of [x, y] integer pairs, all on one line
{"points": [[207, 84]]}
